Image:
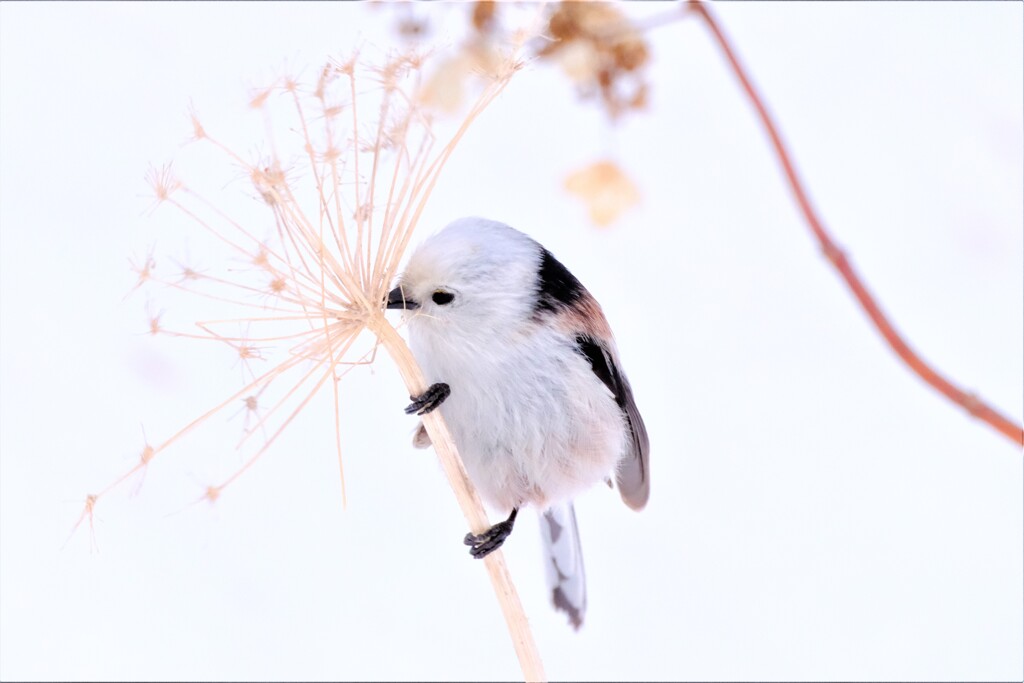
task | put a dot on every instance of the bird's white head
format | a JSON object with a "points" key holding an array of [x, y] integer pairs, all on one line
{"points": [[473, 276]]}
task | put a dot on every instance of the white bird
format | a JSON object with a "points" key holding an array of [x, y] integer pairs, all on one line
{"points": [[523, 367]]}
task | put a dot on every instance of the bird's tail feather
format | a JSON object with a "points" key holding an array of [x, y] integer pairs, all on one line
{"points": [[563, 559]]}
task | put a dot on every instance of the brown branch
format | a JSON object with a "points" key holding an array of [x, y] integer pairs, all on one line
{"points": [[970, 402]]}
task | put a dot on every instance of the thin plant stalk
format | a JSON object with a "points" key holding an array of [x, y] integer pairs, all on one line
{"points": [[469, 501], [967, 400]]}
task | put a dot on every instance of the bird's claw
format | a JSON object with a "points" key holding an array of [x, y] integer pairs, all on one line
{"points": [[429, 400], [482, 545]]}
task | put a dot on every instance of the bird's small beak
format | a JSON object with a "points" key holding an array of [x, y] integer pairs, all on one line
{"points": [[396, 299]]}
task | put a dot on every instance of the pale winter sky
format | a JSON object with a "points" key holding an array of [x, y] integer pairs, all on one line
{"points": [[816, 513]]}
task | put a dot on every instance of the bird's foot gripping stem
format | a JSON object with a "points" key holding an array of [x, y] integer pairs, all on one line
{"points": [[482, 545], [429, 399]]}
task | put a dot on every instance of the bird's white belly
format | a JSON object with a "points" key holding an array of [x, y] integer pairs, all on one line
{"points": [[531, 420]]}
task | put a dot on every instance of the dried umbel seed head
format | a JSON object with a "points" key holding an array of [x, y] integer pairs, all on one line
{"points": [[348, 174], [278, 285], [163, 182]]}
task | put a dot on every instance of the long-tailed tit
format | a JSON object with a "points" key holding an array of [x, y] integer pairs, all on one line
{"points": [[523, 366]]}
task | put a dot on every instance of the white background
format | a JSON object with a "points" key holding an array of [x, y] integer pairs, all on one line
{"points": [[817, 512]]}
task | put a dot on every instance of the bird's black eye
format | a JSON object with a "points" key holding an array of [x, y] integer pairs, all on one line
{"points": [[441, 298]]}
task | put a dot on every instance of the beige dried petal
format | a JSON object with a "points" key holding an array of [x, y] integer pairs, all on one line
{"points": [[606, 190], [486, 59], [445, 88], [259, 98], [580, 61], [599, 17]]}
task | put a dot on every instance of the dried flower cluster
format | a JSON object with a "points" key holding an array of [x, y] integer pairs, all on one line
{"points": [[601, 51], [341, 193], [594, 43], [598, 48]]}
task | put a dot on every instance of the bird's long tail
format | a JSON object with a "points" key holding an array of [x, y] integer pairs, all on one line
{"points": [[563, 559]]}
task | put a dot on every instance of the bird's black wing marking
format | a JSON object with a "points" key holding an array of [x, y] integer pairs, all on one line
{"points": [[557, 288], [602, 366], [633, 476]]}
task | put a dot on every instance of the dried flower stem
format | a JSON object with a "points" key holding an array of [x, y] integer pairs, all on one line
{"points": [[444, 446], [970, 402], [314, 287]]}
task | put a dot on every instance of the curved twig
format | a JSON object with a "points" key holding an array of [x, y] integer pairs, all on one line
{"points": [[969, 401]]}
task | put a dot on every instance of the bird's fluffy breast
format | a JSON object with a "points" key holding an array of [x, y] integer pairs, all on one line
{"points": [[532, 422]]}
